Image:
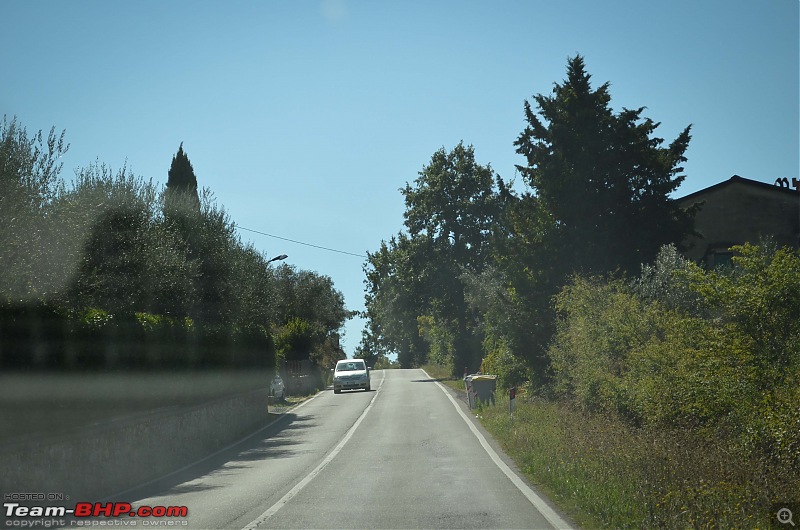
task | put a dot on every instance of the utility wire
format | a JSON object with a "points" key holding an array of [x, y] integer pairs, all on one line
{"points": [[300, 242]]}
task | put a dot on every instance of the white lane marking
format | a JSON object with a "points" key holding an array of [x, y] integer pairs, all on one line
{"points": [[215, 453], [308, 478], [531, 495]]}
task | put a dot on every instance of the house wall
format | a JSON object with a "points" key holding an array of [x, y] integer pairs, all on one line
{"points": [[739, 211]]}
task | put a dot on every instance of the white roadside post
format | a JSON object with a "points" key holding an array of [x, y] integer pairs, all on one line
{"points": [[512, 397]]}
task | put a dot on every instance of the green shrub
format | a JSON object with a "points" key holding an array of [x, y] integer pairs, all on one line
{"points": [[600, 324], [668, 281], [296, 339], [760, 294], [31, 335], [773, 429], [614, 352], [693, 373], [717, 355], [509, 369]]}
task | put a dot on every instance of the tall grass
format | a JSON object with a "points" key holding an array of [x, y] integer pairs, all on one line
{"points": [[607, 473]]}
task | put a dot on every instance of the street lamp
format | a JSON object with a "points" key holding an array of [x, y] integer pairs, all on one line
{"points": [[278, 258]]}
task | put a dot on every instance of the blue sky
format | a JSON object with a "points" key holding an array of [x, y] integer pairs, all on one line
{"points": [[306, 117]]}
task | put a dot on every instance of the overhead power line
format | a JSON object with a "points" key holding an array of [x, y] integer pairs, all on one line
{"points": [[300, 242]]}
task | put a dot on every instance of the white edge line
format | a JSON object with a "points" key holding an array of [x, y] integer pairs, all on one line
{"points": [[215, 453], [308, 478], [531, 495]]}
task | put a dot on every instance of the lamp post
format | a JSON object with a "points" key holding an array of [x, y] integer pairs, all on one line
{"points": [[282, 368]]}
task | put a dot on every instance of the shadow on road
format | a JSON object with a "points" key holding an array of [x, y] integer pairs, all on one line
{"points": [[277, 440]]}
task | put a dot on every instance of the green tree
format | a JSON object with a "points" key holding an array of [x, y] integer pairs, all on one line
{"points": [[310, 314], [514, 296], [759, 294], [415, 293], [598, 202], [215, 249], [602, 176], [127, 261], [310, 297], [395, 290], [454, 202], [29, 182], [213, 244], [366, 350], [181, 178], [255, 304]]}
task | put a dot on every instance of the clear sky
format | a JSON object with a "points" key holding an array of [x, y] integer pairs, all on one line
{"points": [[306, 117]]}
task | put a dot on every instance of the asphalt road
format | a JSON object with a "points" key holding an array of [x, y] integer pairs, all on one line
{"points": [[400, 456]]}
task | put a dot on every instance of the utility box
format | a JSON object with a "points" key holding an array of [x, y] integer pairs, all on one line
{"points": [[480, 389]]}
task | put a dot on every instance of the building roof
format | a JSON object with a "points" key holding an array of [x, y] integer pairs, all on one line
{"points": [[736, 179]]}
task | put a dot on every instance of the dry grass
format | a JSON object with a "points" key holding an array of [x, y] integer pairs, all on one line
{"points": [[608, 474]]}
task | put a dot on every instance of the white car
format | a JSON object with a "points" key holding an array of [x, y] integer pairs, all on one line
{"points": [[350, 374]]}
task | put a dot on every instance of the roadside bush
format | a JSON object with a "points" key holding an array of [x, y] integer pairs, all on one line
{"points": [[42, 337], [760, 295], [295, 340], [600, 324], [615, 353], [668, 282], [717, 353], [773, 429], [500, 361], [691, 373]]}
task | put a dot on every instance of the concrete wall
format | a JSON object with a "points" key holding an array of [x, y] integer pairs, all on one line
{"points": [[96, 462]]}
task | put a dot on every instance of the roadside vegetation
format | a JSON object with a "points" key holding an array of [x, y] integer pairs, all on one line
{"points": [[607, 474], [674, 398], [113, 272], [652, 392]]}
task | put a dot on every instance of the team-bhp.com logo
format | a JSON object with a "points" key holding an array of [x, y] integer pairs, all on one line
{"points": [[94, 509]]}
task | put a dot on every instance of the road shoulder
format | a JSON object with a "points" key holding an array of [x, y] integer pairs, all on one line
{"points": [[559, 518]]}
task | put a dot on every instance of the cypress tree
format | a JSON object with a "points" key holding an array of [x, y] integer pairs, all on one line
{"points": [[182, 179]]}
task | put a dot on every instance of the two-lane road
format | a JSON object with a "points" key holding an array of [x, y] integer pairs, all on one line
{"points": [[405, 455]]}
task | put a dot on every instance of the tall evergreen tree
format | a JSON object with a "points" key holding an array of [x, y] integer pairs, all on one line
{"points": [[182, 178], [602, 176]]}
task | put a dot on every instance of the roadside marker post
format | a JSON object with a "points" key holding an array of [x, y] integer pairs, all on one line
{"points": [[512, 397]]}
